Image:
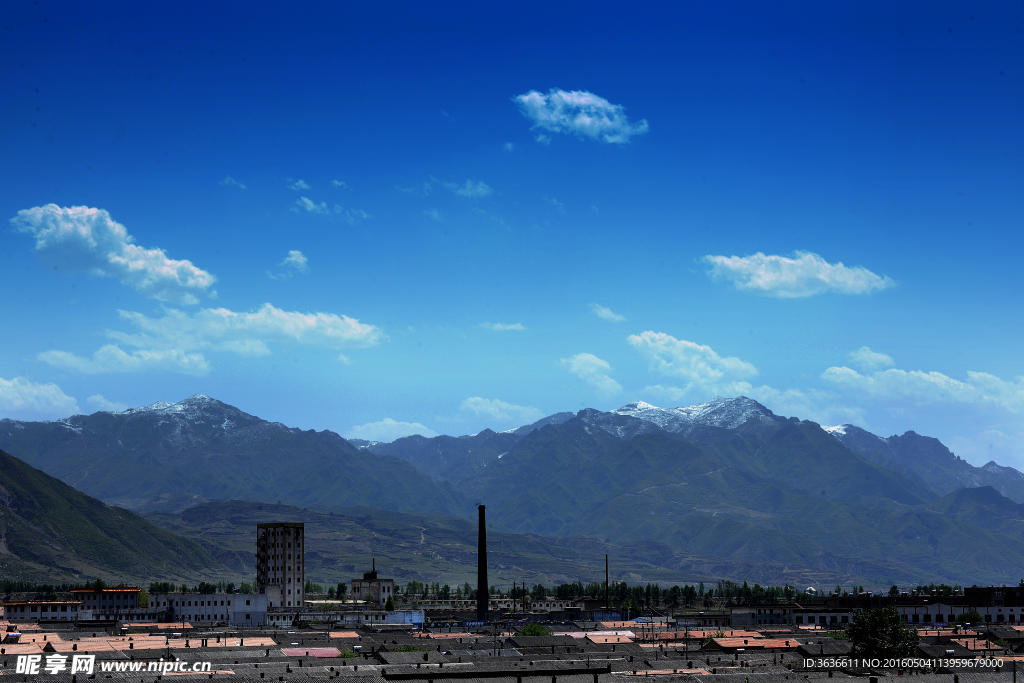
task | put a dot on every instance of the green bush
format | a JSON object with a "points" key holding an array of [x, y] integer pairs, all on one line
{"points": [[533, 630]]}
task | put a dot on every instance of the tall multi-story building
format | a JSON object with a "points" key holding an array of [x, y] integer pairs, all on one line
{"points": [[280, 565]]}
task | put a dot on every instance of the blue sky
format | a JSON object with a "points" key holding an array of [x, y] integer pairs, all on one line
{"points": [[444, 218]]}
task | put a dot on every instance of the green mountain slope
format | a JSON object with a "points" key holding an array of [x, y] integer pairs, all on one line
{"points": [[49, 532]]}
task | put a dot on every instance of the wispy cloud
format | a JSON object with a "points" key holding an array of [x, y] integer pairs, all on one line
{"points": [[80, 238], [580, 113], [866, 359], [607, 314], [310, 206], [24, 398], [422, 190], [594, 371], [433, 214], [474, 190], [555, 203], [698, 365], [500, 410], [490, 216], [980, 388], [388, 430], [296, 185], [502, 327], [543, 139], [112, 359], [176, 341], [341, 184], [296, 260], [509, 147], [231, 182], [98, 402], [803, 275], [350, 216]]}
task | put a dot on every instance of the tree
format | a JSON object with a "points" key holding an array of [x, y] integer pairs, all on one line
{"points": [[390, 604], [342, 591], [894, 592], [245, 588], [880, 633], [533, 630], [972, 617]]}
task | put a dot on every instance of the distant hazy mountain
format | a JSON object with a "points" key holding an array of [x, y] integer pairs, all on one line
{"points": [[53, 533], [456, 458], [724, 484], [172, 455], [929, 461]]}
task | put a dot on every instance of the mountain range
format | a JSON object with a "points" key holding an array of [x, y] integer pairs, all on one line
{"points": [[726, 486]]}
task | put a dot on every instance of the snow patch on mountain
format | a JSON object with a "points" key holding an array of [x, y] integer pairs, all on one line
{"points": [[837, 431], [724, 413]]}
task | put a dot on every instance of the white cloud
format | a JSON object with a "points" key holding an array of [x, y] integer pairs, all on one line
{"points": [[421, 191], [699, 365], [345, 360], [175, 342], [981, 388], [340, 183], [311, 206], [350, 216], [299, 184], [98, 402], [433, 214], [805, 274], [79, 238], [22, 397], [866, 359], [111, 358], [578, 112], [508, 147], [543, 139], [388, 430], [500, 410], [296, 260], [594, 371], [231, 182], [501, 327], [607, 314], [475, 190]]}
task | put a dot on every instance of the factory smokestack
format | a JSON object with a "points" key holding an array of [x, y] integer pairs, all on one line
{"points": [[482, 597]]}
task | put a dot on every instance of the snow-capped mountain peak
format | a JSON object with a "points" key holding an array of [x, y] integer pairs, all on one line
{"points": [[721, 412]]}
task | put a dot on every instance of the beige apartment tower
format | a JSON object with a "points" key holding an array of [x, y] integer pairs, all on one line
{"points": [[280, 564]]}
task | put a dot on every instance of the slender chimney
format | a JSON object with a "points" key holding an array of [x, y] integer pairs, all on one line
{"points": [[482, 597]]}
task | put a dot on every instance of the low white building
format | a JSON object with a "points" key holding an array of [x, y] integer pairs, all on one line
{"points": [[42, 610], [235, 609]]}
